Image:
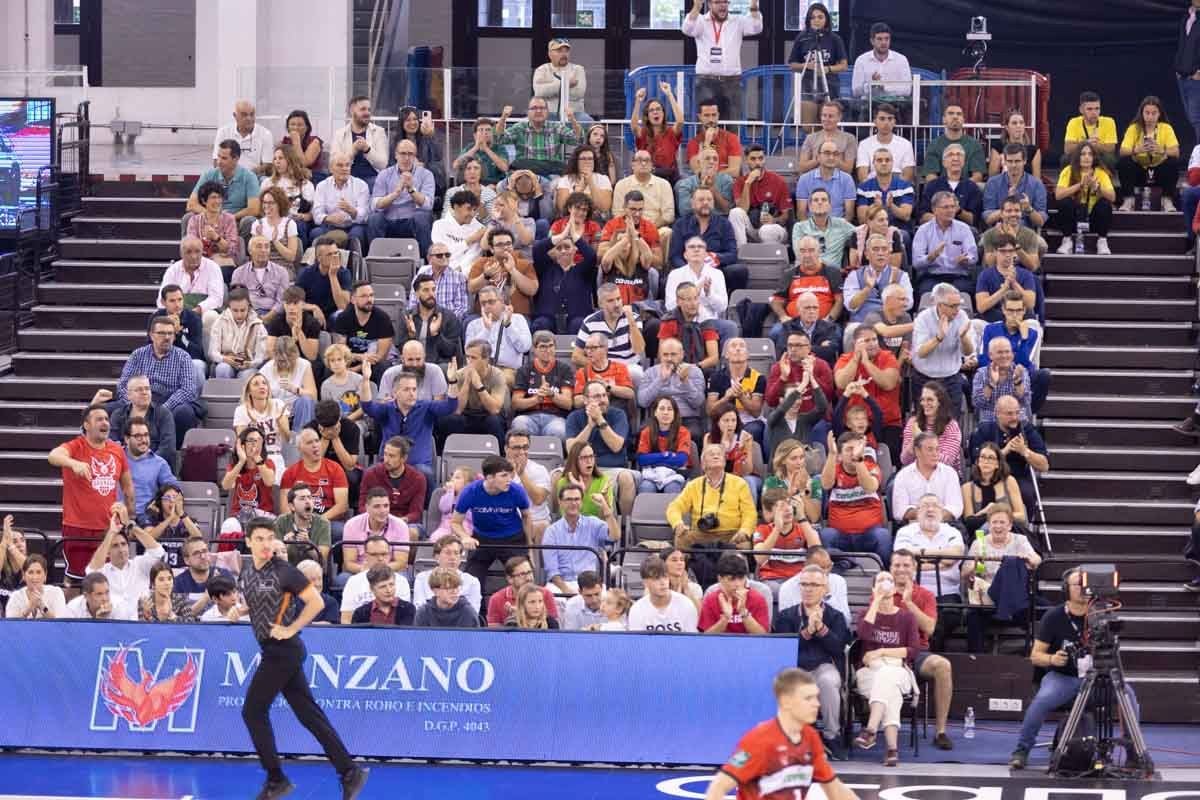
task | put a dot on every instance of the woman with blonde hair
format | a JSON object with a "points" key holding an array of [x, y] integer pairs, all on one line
{"points": [[291, 380], [268, 414], [530, 610], [789, 471]]}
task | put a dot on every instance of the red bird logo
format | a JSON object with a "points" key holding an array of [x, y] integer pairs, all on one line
{"points": [[141, 703]]}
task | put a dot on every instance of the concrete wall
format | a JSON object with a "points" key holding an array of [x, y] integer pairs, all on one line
{"points": [[278, 52]]}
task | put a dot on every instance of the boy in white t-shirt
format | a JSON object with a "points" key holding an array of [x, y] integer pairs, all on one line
{"points": [[661, 609]]}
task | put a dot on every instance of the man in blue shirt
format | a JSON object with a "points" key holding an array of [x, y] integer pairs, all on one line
{"points": [[718, 236], [326, 284], [413, 418], [173, 383], [147, 468], [1023, 334], [1015, 181], [995, 282], [500, 518], [402, 199], [944, 248], [827, 176], [563, 567], [240, 184], [606, 429]]}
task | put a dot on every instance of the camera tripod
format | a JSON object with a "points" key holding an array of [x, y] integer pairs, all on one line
{"points": [[1103, 693]]}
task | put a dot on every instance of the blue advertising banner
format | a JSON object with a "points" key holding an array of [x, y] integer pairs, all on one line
{"points": [[400, 692]]}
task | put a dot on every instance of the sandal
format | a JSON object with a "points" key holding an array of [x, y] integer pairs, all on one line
{"points": [[865, 740], [892, 759]]}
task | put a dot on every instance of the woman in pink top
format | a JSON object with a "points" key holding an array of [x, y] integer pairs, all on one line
{"points": [[933, 415]]}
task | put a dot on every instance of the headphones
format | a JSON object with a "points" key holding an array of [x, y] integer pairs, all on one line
{"points": [[1066, 582]]}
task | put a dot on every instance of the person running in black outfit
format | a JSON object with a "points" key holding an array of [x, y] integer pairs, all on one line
{"points": [[268, 588]]}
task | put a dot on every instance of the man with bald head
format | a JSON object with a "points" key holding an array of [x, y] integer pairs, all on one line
{"points": [[200, 279], [1022, 446], [656, 191], [256, 142], [431, 381], [682, 382], [1001, 378], [793, 305]]}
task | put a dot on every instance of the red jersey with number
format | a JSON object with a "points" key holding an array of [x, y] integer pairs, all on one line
{"points": [[86, 502], [329, 476], [768, 765]]}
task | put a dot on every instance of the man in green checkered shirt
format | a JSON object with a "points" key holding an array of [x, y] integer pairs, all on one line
{"points": [[536, 140]]}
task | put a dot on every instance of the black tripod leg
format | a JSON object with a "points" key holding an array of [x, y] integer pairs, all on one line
{"points": [[1073, 719], [1133, 729]]}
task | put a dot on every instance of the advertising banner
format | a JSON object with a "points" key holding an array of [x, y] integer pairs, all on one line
{"points": [[398, 692]]}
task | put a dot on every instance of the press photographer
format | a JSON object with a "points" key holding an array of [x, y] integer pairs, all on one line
{"points": [[1065, 647]]}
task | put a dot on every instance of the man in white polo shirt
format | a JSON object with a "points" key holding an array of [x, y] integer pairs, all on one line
{"points": [[358, 590], [257, 143]]}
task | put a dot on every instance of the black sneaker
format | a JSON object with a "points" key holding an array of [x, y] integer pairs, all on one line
{"points": [[834, 750], [1018, 759], [274, 789], [942, 742], [353, 782]]}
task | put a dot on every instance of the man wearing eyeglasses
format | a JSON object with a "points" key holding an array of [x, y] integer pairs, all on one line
{"points": [[942, 345], [657, 193], [1006, 276], [402, 199], [824, 634], [827, 175], [1023, 334], [944, 248], [147, 468], [436, 327], [543, 391], [538, 145]]}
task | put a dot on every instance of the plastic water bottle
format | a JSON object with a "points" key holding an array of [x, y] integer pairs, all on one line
{"points": [[969, 723], [1080, 232], [1145, 198], [981, 538]]}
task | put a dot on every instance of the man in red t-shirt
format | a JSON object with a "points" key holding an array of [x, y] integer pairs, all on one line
{"points": [[878, 372], [519, 571], [779, 759], [630, 242], [327, 479], [93, 469], [922, 605], [798, 360], [763, 204], [734, 607], [852, 481], [711, 134]]}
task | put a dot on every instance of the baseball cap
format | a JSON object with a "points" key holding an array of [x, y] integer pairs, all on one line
{"points": [[560, 41]]}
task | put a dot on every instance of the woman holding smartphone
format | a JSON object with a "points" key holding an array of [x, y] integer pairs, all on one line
{"points": [[1084, 192], [1149, 155]]}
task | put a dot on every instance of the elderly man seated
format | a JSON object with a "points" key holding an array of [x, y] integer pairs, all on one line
{"points": [[720, 509]]}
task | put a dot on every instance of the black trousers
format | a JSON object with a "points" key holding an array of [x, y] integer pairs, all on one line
{"points": [[282, 670], [480, 559], [1133, 175], [1070, 212]]}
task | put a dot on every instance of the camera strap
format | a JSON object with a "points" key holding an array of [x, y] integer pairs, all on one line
{"points": [[704, 492]]}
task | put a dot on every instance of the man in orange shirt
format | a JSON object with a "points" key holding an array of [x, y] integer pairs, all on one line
{"points": [[811, 278], [503, 267], [856, 522], [610, 372], [877, 370], [93, 468]]}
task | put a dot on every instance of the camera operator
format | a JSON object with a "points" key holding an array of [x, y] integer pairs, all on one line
{"points": [[1057, 650]]}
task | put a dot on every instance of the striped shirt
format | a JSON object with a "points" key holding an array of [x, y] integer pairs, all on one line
{"points": [[620, 346], [449, 289]]}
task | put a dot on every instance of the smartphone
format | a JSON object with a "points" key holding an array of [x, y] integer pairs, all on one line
{"points": [[426, 116]]}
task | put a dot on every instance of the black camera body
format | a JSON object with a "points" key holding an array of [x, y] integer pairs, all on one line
{"points": [[707, 523]]}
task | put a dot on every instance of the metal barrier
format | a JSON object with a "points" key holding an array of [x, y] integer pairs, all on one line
{"points": [[963, 605]]}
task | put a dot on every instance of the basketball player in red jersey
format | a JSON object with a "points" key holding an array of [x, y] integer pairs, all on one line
{"points": [[781, 757]]}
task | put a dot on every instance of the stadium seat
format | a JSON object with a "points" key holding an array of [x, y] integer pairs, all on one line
{"points": [[212, 437], [393, 261], [202, 501], [564, 344], [762, 354], [767, 264], [547, 451], [762, 296], [390, 298], [648, 520], [467, 450], [223, 395]]}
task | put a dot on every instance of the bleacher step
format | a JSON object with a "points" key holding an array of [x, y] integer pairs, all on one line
{"points": [[95, 270], [1125, 381], [1131, 287], [1118, 357], [1105, 510], [1119, 406], [1093, 264], [41, 414], [1147, 485], [1114, 310], [1136, 596], [1113, 432], [1179, 460], [75, 247], [1150, 221], [35, 439], [56, 293], [46, 516], [66, 341], [78, 388], [32, 490], [1131, 243], [69, 365], [91, 318], [136, 207], [1131, 334], [114, 227], [1106, 537], [26, 464]]}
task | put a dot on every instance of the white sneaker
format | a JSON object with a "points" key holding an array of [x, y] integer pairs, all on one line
{"points": [[1067, 246], [1102, 247], [1127, 204], [1193, 478], [1168, 205]]}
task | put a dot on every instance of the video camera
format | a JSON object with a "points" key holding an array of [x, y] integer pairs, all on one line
{"points": [[977, 41], [1101, 585]]}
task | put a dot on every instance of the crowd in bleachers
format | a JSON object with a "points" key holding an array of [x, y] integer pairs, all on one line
{"points": [[761, 381]]}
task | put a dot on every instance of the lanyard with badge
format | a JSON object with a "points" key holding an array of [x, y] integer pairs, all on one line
{"points": [[714, 52]]}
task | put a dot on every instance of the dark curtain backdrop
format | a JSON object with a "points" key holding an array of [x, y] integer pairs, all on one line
{"points": [[1123, 50]]}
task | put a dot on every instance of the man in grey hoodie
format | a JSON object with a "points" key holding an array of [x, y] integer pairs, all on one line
{"points": [[446, 609]]}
